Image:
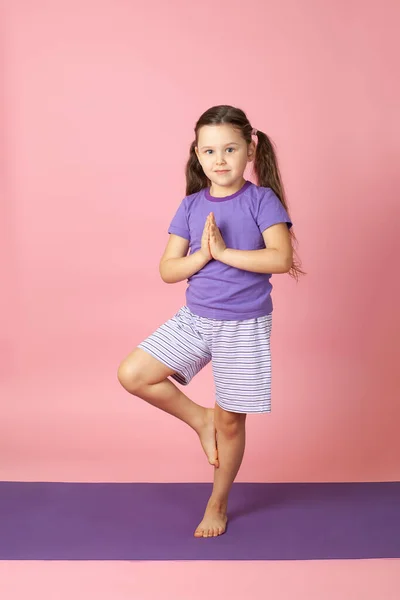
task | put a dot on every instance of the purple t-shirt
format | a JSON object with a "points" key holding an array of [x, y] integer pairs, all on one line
{"points": [[219, 291]]}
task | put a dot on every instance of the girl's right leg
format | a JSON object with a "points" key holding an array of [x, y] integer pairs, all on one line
{"points": [[144, 376]]}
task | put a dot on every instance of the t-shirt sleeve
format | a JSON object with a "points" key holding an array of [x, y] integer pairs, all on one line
{"points": [[271, 211], [179, 224]]}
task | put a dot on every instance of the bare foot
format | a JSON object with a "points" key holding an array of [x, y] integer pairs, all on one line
{"points": [[214, 521], [208, 437]]}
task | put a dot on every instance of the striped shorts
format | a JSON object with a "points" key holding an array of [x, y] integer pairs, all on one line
{"points": [[238, 350]]}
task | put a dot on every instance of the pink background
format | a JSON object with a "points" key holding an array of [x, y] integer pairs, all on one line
{"points": [[100, 99]]}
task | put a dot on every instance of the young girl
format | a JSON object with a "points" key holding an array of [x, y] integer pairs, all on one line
{"points": [[238, 234]]}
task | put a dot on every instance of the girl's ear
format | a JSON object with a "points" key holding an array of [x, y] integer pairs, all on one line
{"points": [[251, 151], [197, 152]]}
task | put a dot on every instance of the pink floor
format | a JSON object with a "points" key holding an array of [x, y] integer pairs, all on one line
{"points": [[313, 580]]}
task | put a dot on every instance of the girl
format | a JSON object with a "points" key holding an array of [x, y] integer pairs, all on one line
{"points": [[238, 234]]}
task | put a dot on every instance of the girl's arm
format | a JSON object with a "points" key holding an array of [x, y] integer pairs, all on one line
{"points": [[277, 257], [175, 265]]}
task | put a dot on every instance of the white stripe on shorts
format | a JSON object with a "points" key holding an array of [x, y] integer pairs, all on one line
{"points": [[239, 352]]}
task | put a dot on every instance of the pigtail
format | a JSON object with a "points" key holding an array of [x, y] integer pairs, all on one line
{"points": [[266, 167], [268, 174], [196, 179]]}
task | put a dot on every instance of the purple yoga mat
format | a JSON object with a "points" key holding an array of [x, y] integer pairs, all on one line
{"points": [[140, 521]]}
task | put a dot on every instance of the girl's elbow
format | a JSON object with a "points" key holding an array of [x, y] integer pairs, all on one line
{"points": [[287, 264], [163, 274], [165, 277]]}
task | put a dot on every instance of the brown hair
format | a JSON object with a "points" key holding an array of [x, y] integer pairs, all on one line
{"points": [[265, 164]]}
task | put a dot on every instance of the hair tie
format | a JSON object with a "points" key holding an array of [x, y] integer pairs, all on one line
{"points": [[254, 132]]}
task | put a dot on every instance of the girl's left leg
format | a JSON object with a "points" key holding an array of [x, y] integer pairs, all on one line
{"points": [[231, 433]]}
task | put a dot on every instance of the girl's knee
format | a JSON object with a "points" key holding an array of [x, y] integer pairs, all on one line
{"points": [[229, 424], [129, 376], [139, 370]]}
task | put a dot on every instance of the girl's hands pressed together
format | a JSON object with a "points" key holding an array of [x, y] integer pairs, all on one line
{"points": [[212, 242], [217, 244]]}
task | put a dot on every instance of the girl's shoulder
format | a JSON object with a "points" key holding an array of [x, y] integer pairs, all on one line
{"points": [[261, 192], [188, 201], [266, 206], [259, 195], [193, 197]]}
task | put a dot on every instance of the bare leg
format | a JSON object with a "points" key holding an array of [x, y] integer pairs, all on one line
{"points": [[144, 376], [231, 437]]}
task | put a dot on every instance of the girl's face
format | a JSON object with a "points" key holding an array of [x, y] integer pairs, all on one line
{"points": [[223, 155]]}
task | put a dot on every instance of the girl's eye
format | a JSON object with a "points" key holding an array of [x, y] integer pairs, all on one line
{"points": [[230, 150]]}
